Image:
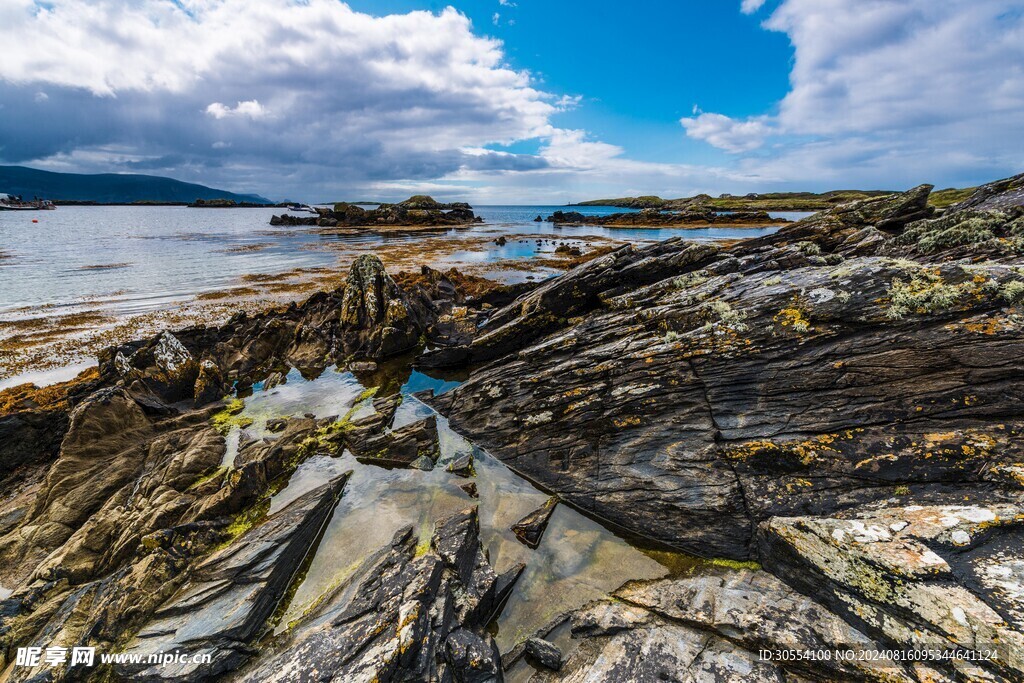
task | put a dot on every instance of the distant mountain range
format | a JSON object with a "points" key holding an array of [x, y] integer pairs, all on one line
{"points": [[109, 188]]}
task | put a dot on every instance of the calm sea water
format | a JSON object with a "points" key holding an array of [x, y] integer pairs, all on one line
{"points": [[134, 259]]}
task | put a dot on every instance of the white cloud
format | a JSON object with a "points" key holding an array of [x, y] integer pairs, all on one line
{"points": [[890, 92], [250, 108], [725, 133], [342, 98], [751, 6], [496, 19]]}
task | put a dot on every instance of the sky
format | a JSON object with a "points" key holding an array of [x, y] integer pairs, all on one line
{"points": [[517, 101]]}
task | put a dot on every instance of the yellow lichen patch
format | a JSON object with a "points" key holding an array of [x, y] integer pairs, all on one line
{"points": [[805, 451], [793, 317], [796, 484], [877, 458], [628, 421]]}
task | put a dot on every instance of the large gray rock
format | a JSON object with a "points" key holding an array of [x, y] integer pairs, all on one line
{"points": [[941, 577], [712, 628], [377, 318], [762, 380]]}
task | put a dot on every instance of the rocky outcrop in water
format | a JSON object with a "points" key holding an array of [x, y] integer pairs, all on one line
{"points": [[416, 212]]}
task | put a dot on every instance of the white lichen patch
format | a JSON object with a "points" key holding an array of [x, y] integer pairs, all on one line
{"points": [[821, 295]]}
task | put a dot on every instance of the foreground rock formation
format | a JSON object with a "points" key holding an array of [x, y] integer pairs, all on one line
{"points": [[837, 407], [729, 401]]}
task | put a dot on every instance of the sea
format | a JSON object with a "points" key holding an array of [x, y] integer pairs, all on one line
{"points": [[129, 260]]}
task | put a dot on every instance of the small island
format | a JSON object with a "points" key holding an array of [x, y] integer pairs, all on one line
{"points": [[419, 211]]}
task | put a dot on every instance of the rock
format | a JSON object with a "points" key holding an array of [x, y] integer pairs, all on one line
{"points": [[470, 489], [210, 384], [276, 425], [935, 576], [688, 393], [538, 219], [693, 216], [501, 241], [401, 447], [362, 366], [417, 211], [404, 616], [462, 466], [33, 422], [376, 318], [544, 653], [361, 430], [275, 379], [422, 463], [1000, 195], [530, 529], [712, 627], [228, 598], [164, 366], [477, 660]]}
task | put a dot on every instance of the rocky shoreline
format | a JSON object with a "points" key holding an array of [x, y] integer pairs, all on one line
{"points": [[834, 409], [658, 218]]}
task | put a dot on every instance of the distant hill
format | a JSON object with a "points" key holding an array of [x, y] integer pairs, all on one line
{"points": [[108, 188]]}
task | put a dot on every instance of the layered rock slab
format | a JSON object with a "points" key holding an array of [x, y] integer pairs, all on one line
{"points": [[710, 628], [688, 393], [942, 577], [406, 615], [228, 598]]}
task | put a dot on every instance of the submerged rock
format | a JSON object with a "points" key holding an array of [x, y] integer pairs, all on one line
{"points": [[462, 466], [402, 447], [403, 616], [530, 529]]}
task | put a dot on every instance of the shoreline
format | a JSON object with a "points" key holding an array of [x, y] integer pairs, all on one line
{"points": [[42, 343]]}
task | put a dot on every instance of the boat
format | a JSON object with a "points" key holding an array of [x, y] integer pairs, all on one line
{"points": [[12, 203]]}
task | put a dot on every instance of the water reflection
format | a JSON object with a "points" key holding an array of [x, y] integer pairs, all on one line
{"points": [[578, 560]]}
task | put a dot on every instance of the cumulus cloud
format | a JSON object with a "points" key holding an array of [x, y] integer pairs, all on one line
{"points": [[308, 96], [726, 133], [250, 108], [887, 89], [751, 6]]}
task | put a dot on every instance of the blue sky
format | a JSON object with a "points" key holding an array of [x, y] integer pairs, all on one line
{"points": [[640, 67], [522, 101]]}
